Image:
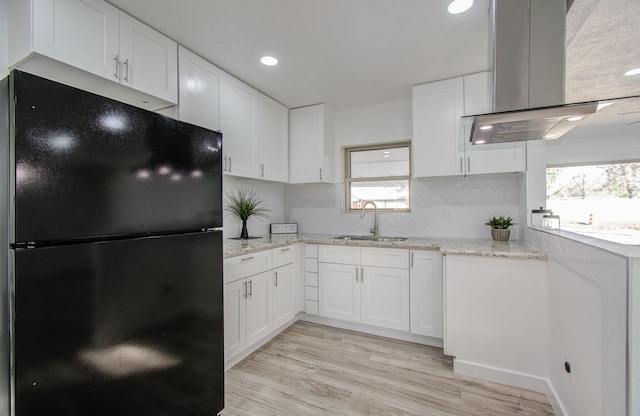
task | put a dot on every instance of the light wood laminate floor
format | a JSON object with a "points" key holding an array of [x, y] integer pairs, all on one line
{"points": [[312, 369]]}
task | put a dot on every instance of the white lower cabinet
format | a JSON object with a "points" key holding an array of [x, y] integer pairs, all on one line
{"points": [[358, 291], [259, 297], [283, 295], [426, 293]]}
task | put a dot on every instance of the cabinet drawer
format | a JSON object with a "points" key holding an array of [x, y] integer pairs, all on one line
{"points": [[311, 293], [311, 279], [282, 256], [311, 265], [385, 257], [339, 254], [311, 251], [247, 265]]}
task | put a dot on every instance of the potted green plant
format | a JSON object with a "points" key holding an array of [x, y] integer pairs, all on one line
{"points": [[500, 228], [244, 204]]}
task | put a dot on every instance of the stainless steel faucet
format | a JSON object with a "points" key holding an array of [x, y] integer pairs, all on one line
{"points": [[374, 229]]}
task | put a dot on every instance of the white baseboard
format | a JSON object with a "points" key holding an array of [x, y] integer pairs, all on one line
{"points": [[511, 378], [373, 330]]}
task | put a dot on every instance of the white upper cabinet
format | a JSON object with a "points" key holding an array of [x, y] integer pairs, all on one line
{"points": [[311, 144], [199, 90], [238, 111], [148, 59], [437, 108], [81, 33], [493, 158], [273, 136], [91, 45], [439, 143]]}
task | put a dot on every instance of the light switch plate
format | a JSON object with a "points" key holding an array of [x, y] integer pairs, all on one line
{"points": [[284, 228]]}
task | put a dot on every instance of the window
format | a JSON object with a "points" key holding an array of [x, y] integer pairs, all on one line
{"points": [[378, 173], [601, 201]]}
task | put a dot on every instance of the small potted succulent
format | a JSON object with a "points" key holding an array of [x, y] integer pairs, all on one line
{"points": [[244, 204], [500, 228]]}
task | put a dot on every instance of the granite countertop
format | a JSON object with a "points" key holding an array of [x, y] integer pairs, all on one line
{"points": [[463, 246]]}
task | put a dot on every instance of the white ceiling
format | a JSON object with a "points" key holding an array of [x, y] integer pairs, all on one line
{"points": [[345, 53]]}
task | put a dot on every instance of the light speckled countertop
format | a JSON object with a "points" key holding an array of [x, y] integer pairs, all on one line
{"points": [[464, 246]]}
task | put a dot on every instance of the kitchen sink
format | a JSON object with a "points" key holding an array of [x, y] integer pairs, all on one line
{"points": [[368, 238]]}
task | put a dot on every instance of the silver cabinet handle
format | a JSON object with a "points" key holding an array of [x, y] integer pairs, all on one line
{"points": [[117, 73], [229, 163], [245, 290], [285, 249], [468, 164], [412, 253], [250, 288], [275, 274], [356, 273], [262, 170], [224, 169], [247, 258], [362, 274], [320, 173], [126, 70]]}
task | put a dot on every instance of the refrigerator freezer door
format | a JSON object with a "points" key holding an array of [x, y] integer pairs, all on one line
{"points": [[87, 166], [130, 327]]}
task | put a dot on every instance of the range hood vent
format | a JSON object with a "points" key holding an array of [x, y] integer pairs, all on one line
{"points": [[528, 56], [540, 123]]}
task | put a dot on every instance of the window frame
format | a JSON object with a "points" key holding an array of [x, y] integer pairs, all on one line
{"points": [[348, 179]]}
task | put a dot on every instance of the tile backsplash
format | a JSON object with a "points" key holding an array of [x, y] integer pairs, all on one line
{"points": [[467, 202]]}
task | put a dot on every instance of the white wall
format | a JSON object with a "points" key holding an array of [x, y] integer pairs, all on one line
{"points": [[3, 39], [273, 195], [588, 324], [469, 201]]}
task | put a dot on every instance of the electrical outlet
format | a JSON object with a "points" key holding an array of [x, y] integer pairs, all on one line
{"points": [[446, 214]]}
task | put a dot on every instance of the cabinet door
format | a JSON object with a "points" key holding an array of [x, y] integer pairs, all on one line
{"points": [[238, 106], [273, 133], [426, 293], [437, 108], [81, 33], [385, 297], [283, 295], [199, 91], [493, 158], [235, 331], [339, 289], [259, 307], [149, 60], [310, 145]]}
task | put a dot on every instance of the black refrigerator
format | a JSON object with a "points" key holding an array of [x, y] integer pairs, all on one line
{"points": [[113, 261]]}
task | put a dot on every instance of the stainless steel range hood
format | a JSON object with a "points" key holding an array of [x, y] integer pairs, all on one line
{"points": [[528, 62]]}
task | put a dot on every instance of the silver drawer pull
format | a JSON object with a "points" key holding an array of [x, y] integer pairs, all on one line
{"points": [[247, 258], [285, 249]]}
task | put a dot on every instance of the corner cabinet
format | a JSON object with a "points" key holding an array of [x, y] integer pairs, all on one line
{"points": [[311, 144], [255, 131], [367, 285], [92, 45], [439, 138]]}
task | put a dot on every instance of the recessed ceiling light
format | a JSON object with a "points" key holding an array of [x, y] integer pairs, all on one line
{"points": [[576, 118], [460, 6], [486, 127], [632, 72], [269, 60]]}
